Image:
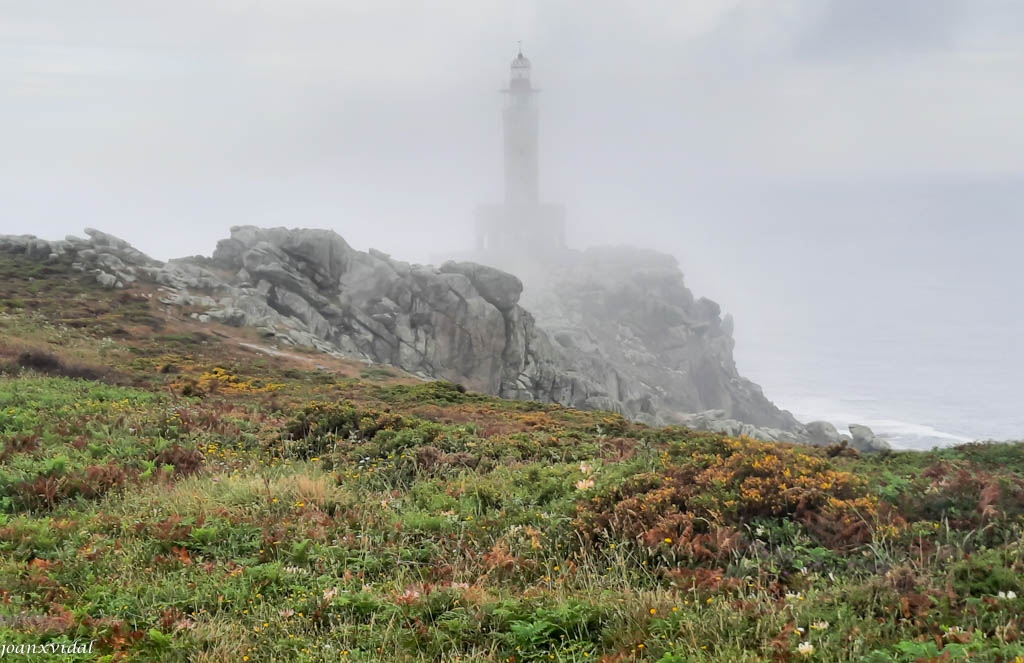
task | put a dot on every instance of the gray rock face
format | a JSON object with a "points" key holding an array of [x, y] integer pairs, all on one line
{"points": [[626, 313], [107, 280], [719, 422], [499, 288], [822, 433], [113, 261], [461, 322], [619, 330], [865, 440]]}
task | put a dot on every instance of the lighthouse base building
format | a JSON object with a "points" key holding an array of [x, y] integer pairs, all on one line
{"points": [[522, 228]]}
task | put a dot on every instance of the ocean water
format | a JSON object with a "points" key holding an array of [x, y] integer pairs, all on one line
{"points": [[949, 397], [899, 307]]}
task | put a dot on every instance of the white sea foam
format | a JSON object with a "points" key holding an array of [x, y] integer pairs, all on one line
{"points": [[900, 433]]}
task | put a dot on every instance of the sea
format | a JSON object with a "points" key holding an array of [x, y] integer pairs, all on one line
{"points": [[916, 396], [900, 307]]}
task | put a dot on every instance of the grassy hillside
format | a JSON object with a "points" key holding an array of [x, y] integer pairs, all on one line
{"points": [[171, 492]]}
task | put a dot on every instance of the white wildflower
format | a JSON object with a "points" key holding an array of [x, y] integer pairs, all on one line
{"points": [[584, 484]]}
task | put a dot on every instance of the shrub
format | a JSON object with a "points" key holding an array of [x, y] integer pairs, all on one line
{"points": [[439, 392], [707, 487], [321, 426], [186, 462], [48, 363], [320, 418]]}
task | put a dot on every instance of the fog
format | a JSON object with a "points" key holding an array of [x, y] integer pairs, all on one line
{"points": [[844, 176]]}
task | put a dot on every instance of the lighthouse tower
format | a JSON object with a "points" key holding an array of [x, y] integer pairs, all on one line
{"points": [[520, 115], [521, 226]]}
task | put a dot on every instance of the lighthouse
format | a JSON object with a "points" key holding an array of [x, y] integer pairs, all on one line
{"points": [[521, 226], [520, 130]]}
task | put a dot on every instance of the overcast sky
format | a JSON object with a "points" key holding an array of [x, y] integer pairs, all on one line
{"points": [[381, 117], [787, 151]]}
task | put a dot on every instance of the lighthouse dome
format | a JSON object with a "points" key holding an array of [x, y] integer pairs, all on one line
{"points": [[520, 67], [521, 62]]}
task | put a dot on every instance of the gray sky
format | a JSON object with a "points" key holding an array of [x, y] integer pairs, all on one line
{"points": [[802, 158]]}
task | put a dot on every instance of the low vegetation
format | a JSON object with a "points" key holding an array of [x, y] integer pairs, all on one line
{"points": [[172, 495]]}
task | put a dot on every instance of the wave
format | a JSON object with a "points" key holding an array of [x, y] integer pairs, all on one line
{"points": [[901, 433]]}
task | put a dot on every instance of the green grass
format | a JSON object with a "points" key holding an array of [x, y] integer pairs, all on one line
{"points": [[208, 504]]}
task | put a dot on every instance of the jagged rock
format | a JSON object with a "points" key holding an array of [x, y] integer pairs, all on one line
{"points": [[39, 249], [100, 238], [419, 318], [628, 311], [107, 280], [865, 440], [229, 316], [109, 262], [719, 422], [499, 288], [183, 298], [113, 261], [115, 246], [618, 329], [16, 244], [181, 274]]}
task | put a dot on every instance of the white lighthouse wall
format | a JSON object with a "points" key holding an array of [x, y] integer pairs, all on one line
{"points": [[522, 175]]}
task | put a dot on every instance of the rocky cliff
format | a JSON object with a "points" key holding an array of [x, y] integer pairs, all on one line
{"points": [[629, 309], [617, 328], [461, 322]]}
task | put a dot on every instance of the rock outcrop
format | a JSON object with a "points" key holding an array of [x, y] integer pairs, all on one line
{"points": [[822, 433], [461, 322], [627, 313], [112, 260], [719, 422], [617, 329], [865, 440]]}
